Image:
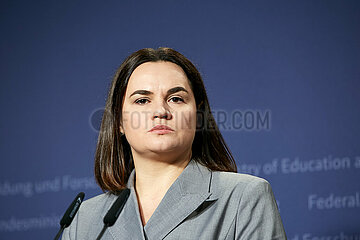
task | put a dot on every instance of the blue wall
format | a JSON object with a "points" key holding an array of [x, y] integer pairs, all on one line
{"points": [[282, 78]]}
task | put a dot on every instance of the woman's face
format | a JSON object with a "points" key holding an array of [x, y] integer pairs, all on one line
{"points": [[159, 110]]}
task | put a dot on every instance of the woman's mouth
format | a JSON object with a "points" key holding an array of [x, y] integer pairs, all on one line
{"points": [[161, 129]]}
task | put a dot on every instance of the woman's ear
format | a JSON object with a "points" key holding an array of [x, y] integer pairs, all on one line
{"points": [[122, 131]]}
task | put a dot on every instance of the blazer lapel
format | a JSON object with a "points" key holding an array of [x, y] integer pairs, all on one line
{"points": [[184, 196]]}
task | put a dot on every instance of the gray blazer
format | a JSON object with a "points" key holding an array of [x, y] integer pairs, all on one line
{"points": [[200, 204]]}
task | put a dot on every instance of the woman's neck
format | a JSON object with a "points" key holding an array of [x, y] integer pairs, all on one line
{"points": [[154, 177]]}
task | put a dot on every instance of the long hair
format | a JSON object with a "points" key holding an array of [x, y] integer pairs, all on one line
{"points": [[113, 158]]}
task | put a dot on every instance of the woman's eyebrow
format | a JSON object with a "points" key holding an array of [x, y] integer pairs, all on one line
{"points": [[175, 90], [169, 92], [141, 92]]}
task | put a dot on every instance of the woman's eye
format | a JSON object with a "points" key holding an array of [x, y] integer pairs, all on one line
{"points": [[141, 101], [176, 99]]}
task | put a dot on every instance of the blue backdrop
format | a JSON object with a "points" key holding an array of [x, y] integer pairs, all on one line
{"points": [[282, 78]]}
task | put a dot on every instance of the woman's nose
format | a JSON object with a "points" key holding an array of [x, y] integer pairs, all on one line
{"points": [[162, 111]]}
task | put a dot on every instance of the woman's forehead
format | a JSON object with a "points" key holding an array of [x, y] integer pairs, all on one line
{"points": [[157, 76]]}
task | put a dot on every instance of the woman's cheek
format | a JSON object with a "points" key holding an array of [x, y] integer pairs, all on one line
{"points": [[187, 120], [133, 120]]}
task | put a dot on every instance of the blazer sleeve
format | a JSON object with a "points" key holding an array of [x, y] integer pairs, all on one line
{"points": [[258, 216]]}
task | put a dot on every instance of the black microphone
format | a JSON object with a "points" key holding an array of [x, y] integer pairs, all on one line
{"points": [[114, 212], [70, 213]]}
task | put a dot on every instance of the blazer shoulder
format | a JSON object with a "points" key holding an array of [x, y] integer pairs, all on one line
{"points": [[229, 181], [97, 203]]}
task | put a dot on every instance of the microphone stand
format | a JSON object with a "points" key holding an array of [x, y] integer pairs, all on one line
{"points": [[59, 233], [102, 231]]}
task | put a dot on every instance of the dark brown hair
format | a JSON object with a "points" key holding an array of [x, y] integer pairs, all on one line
{"points": [[113, 158]]}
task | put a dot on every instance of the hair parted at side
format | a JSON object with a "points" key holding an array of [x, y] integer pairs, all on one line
{"points": [[113, 158]]}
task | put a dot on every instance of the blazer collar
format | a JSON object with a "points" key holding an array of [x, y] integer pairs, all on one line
{"points": [[185, 195]]}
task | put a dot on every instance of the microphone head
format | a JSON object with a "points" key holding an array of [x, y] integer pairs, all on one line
{"points": [[72, 210], [115, 210]]}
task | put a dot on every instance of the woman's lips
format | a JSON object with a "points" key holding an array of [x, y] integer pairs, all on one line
{"points": [[161, 129]]}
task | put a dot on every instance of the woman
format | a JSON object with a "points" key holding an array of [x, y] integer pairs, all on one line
{"points": [[159, 139]]}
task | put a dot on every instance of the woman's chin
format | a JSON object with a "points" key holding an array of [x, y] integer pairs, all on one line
{"points": [[163, 149]]}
